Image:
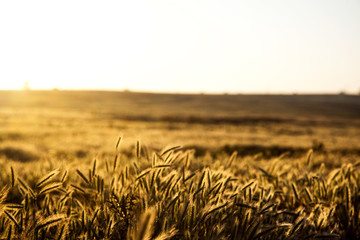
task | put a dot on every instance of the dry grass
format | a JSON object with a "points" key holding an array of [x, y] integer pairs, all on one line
{"points": [[241, 173], [166, 196]]}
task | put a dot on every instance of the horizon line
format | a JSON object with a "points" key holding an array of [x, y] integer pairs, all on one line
{"points": [[340, 92]]}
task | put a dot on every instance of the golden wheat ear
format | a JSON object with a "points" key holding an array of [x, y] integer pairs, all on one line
{"points": [[144, 228]]}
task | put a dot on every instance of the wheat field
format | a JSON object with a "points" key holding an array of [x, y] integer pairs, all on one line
{"points": [[67, 175]]}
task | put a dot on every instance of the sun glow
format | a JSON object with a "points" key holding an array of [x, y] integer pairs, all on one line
{"points": [[69, 44], [192, 46]]}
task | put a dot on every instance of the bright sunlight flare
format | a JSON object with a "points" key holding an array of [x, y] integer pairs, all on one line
{"points": [[184, 46]]}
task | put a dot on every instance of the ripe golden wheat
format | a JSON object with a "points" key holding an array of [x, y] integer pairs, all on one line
{"points": [[164, 196]]}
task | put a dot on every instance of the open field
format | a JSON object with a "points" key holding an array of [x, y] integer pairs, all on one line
{"points": [[271, 188], [88, 123]]}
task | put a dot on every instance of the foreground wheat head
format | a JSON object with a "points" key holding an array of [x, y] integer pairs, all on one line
{"points": [[165, 196]]}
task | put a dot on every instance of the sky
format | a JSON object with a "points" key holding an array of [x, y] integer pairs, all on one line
{"points": [[214, 46]]}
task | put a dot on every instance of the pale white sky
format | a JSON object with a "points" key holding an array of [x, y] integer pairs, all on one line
{"points": [[188, 45]]}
